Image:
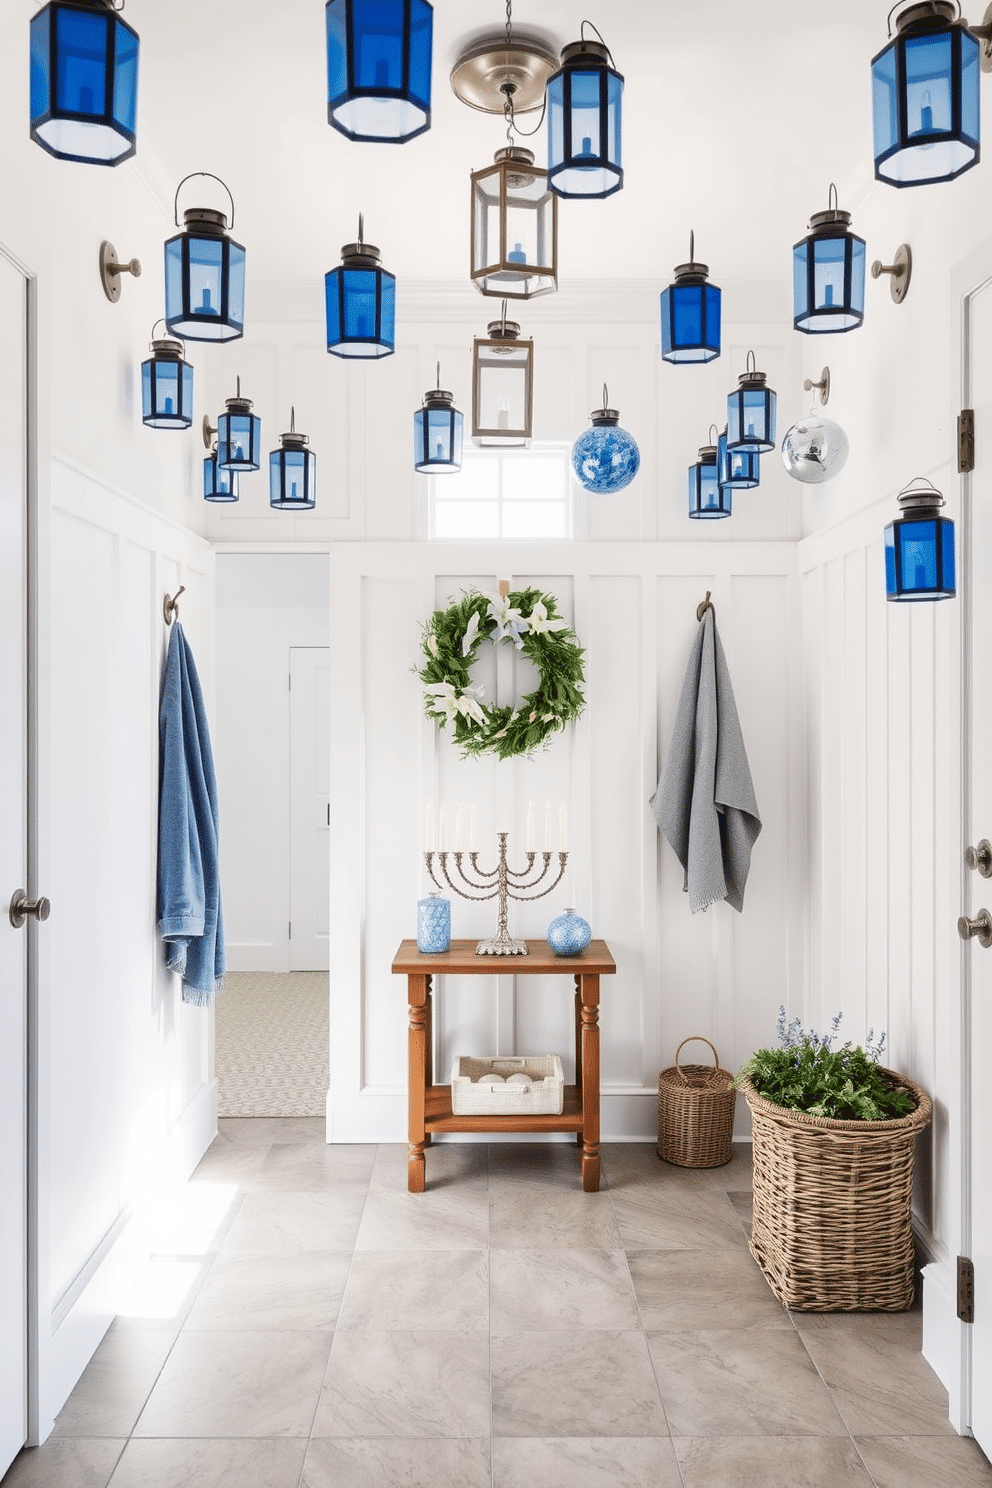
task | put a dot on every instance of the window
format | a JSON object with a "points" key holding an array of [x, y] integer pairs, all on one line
{"points": [[510, 494]]}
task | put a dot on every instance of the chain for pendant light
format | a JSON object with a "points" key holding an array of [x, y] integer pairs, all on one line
{"points": [[507, 89]]}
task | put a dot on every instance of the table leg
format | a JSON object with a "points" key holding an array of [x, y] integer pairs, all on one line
{"points": [[429, 1051], [589, 997], [418, 996], [578, 1042]]}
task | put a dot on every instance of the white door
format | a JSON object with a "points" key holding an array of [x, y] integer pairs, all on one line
{"points": [[13, 865], [976, 595], [309, 805]]}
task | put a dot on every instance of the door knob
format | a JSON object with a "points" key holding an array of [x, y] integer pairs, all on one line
{"points": [[21, 906], [980, 857], [980, 928]]}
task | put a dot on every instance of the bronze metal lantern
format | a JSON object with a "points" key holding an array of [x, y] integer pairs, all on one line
{"points": [[514, 227]]}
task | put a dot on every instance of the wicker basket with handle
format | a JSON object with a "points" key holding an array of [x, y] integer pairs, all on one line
{"points": [[696, 1111]]}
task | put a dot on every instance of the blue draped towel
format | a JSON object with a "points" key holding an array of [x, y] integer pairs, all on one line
{"points": [[189, 908], [705, 801]]}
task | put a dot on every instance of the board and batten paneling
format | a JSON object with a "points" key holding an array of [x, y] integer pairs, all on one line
{"points": [[633, 607]]}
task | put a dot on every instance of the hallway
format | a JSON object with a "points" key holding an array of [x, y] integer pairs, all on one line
{"points": [[308, 1324]]}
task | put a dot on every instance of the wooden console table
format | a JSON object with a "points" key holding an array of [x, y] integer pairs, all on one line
{"points": [[430, 1104]]}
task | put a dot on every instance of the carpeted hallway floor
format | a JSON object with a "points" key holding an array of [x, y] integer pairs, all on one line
{"points": [[271, 1053]]}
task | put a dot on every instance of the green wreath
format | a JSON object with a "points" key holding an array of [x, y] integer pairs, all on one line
{"points": [[529, 620]]}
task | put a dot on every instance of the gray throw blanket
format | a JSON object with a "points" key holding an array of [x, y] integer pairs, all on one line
{"points": [[705, 802]]}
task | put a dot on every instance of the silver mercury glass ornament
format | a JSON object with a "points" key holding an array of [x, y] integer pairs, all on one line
{"points": [[815, 449]]}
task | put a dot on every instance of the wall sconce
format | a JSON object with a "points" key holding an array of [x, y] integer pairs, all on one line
{"points": [[239, 435], [166, 386], [438, 431], [690, 314], [84, 82], [514, 227], [584, 99], [738, 469], [828, 273], [379, 68], [815, 449], [218, 484], [901, 269], [204, 274], [292, 472], [360, 300], [919, 546], [751, 412], [502, 385], [707, 498], [605, 457], [925, 94], [111, 271]]}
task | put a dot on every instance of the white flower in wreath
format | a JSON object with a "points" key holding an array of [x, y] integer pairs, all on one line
{"points": [[471, 631], [540, 621], [432, 645], [467, 705], [509, 620]]}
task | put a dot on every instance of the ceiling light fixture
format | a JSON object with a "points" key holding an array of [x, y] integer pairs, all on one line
{"points": [[166, 385], [690, 313], [204, 274], [584, 101], [438, 432], [360, 302], [84, 82], [292, 472], [514, 227], [919, 546], [502, 385], [828, 273], [379, 68], [605, 457]]}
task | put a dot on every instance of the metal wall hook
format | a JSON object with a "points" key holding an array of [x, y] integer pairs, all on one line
{"points": [[170, 605], [111, 271], [209, 432], [901, 269], [823, 386], [705, 605]]}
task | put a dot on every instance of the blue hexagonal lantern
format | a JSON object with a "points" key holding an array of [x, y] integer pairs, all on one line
{"points": [[293, 472], [379, 68], [84, 82], [360, 301], [919, 547], [925, 97], [438, 433], [605, 458], [204, 275], [828, 274], [690, 314], [218, 484], [738, 469], [584, 100], [707, 498], [751, 412], [239, 435], [166, 386]]}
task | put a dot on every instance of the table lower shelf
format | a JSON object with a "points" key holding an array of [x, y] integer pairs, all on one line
{"points": [[438, 1116]]}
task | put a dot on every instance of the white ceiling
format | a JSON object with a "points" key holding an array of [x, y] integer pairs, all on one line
{"points": [[737, 116]]}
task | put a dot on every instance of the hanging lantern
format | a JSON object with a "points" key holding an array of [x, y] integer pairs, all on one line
{"points": [[690, 314], [166, 386], [738, 469], [218, 484], [361, 303], [292, 472], [605, 457], [828, 274], [239, 435], [584, 100], [925, 96], [204, 274], [437, 433], [514, 227], [751, 412], [502, 385], [84, 82], [919, 546], [379, 68], [707, 498]]}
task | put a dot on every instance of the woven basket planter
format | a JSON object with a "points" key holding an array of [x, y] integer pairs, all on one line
{"points": [[831, 1228], [696, 1112]]}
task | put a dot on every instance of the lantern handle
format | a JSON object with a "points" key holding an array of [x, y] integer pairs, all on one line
{"points": [[161, 321], [712, 427], [438, 369], [836, 201], [209, 175], [751, 365], [888, 23], [606, 396], [582, 37]]}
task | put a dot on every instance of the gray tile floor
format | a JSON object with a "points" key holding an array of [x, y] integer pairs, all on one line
{"points": [[310, 1324]]}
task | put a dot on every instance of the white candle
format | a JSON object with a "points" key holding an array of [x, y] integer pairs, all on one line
{"points": [[562, 828], [530, 826], [473, 823], [547, 826], [458, 826], [429, 827], [442, 829]]}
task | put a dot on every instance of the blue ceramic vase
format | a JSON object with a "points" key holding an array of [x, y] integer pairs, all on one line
{"points": [[569, 934], [433, 925]]}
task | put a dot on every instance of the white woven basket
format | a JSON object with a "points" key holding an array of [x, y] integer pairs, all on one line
{"points": [[545, 1094]]}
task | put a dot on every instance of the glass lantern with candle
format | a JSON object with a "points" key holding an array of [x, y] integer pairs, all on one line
{"points": [[514, 227], [204, 275], [239, 435], [828, 274], [438, 431], [84, 82], [166, 386], [584, 100], [707, 498], [292, 472], [502, 386], [751, 412], [360, 299], [379, 68]]}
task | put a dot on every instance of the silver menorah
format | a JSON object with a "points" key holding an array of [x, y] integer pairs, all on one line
{"points": [[502, 884]]}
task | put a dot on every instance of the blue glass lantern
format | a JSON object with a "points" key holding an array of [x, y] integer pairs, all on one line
{"points": [[584, 128], [690, 314], [738, 469], [218, 484], [828, 274], [438, 432], [361, 303], [293, 472], [84, 82], [204, 275], [707, 498], [379, 68], [239, 435], [605, 457], [751, 412], [925, 97], [919, 547], [166, 386]]}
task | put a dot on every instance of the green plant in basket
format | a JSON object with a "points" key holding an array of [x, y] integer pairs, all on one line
{"points": [[806, 1073]]}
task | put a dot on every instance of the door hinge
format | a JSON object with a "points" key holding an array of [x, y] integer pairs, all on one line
{"points": [[966, 1289], [966, 441]]}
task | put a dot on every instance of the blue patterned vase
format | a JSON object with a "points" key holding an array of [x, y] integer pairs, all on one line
{"points": [[433, 924], [569, 934]]}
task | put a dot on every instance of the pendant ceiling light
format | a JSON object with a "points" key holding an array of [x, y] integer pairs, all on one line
{"points": [[219, 485], [292, 472], [360, 299], [828, 273], [925, 94], [239, 435], [690, 314], [751, 412], [739, 469], [204, 274], [584, 121], [438, 431], [605, 457], [379, 68], [166, 386], [707, 498], [815, 449], [84, 82], [514, 227], [919, 546], [502, 385]]}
